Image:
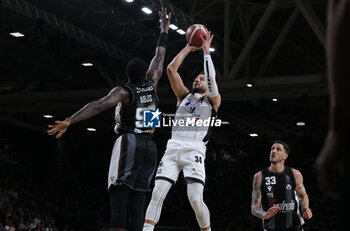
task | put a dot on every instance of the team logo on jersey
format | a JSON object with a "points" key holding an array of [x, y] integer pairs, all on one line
{"points": [[151, 119], [287, 179], [191, 107], [288, 186], [269, 188]]}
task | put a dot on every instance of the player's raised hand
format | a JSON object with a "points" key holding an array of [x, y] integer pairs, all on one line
{"points": [[192, 48], [271, 212], [164, 20], [207, 42], [60, 127]]}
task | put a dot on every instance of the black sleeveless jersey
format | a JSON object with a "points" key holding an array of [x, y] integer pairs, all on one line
{"points": [[130, 117], [278, 189]]}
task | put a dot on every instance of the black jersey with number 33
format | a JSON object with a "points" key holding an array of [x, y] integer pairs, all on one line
{"points": [[278, 190], [130, 117]]}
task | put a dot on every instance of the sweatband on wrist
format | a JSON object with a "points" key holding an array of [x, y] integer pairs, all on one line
{"points": [[209, 71], [163, 40]]}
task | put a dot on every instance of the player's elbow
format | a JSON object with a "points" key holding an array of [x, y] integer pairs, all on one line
{"points": [[170, 70], [252, 210]]}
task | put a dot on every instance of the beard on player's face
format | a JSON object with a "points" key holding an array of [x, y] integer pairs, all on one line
{"points": [[199, 84], [200, 90]]}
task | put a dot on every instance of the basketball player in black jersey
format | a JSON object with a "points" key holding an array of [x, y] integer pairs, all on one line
{"points": [[333, 163], [134, 156], [277, 192]]}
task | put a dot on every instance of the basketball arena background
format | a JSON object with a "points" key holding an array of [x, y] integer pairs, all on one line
{"points": [[57, 55]]}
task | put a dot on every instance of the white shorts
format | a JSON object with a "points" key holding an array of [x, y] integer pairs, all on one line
{"points": [[186, 155]]}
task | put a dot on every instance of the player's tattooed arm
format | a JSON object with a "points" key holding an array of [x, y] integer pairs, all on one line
{"points": [[256, 209]]}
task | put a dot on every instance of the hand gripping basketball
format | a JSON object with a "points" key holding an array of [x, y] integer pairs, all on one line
{"points": [[195, 33]]}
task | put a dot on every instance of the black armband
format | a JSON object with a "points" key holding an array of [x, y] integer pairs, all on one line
{"points": [[163, 40]]}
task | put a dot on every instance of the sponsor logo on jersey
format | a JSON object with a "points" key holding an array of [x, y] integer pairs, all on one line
{"points": [[285, 206], [191, 107], [269, 188]]}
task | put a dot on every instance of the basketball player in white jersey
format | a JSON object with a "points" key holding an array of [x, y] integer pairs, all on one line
{"points": [[186, 149]]}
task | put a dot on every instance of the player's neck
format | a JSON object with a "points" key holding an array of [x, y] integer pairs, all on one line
{"points": [[276, 168], [198, 91]]}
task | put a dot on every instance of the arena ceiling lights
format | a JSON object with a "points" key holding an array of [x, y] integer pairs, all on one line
{"points": [[17, 34], [181, 31], [146, 10], [301, 124], [87, 64], [173, 27]]}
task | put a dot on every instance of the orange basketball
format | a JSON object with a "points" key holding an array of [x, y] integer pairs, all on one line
{"points": [[193, 34]]}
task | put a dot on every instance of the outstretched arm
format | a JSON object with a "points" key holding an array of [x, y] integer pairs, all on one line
{"points": [[332, 161], [116, 95], [256, 209], [176, 83], [209, 70], [301, 192], [155, 69]]}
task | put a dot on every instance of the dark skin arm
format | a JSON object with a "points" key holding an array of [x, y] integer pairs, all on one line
{"points": [[116, 95], [333, 160], [155, 69]]}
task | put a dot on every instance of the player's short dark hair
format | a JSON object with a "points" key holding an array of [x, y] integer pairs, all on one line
{"points": [[284, 144], [136, 70]]}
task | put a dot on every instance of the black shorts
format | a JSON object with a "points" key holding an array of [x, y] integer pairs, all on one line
{"points": [[133, 162]]}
